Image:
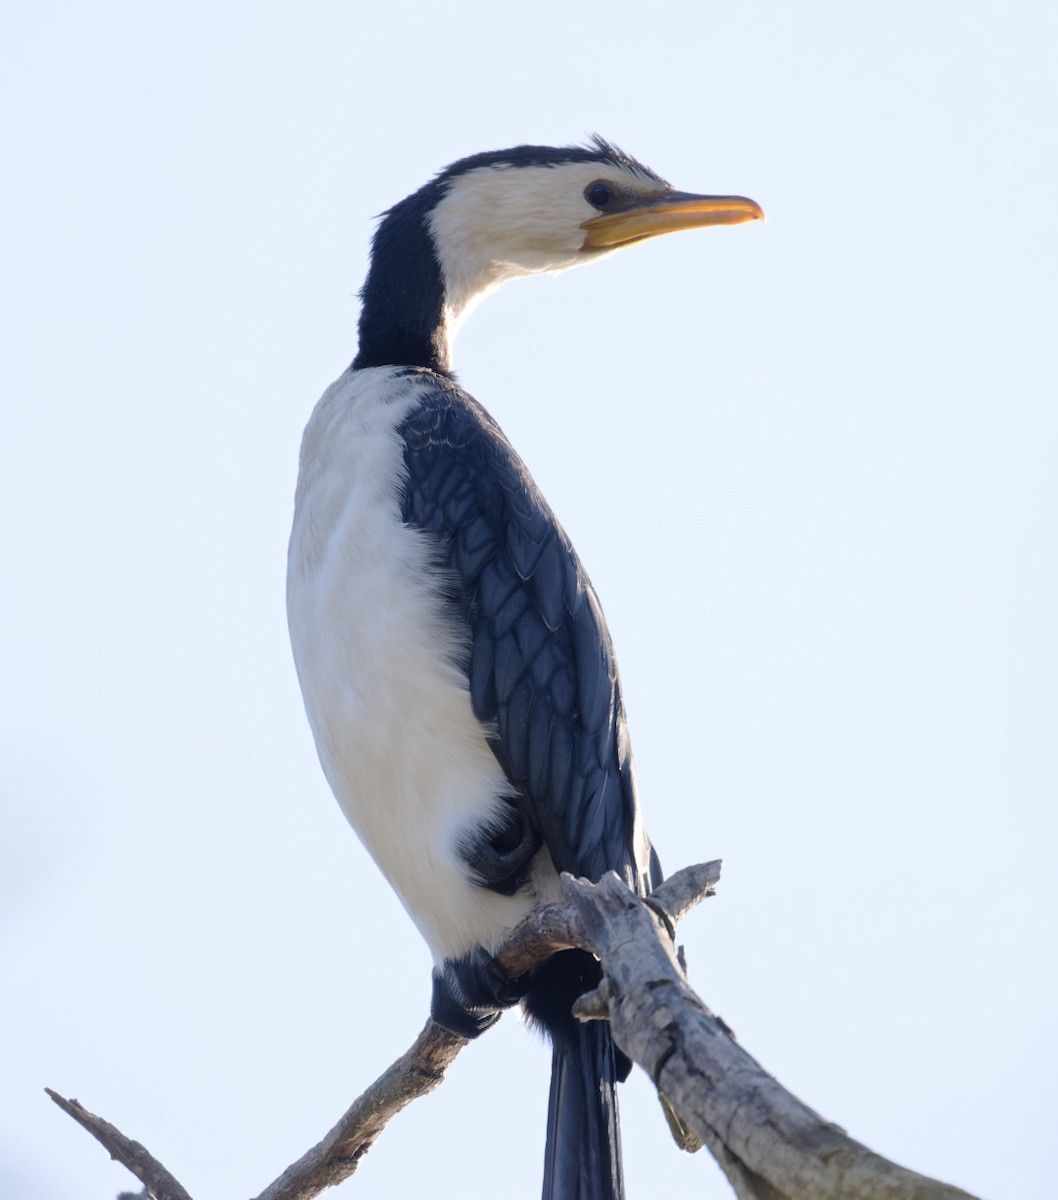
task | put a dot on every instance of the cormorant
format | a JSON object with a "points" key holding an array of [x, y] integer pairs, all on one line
{"points": [[453, 656]]}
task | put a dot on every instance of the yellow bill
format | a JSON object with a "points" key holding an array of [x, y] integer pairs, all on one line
{"points": [[668, 214]]}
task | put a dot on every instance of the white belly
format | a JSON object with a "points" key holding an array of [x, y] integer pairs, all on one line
{"points": [[389, 709]]}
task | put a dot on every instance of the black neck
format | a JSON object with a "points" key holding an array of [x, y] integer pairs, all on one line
{"points": [[402, 321]]}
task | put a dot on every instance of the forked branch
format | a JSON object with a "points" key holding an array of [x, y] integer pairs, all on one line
{"points": [[770, 1145]]}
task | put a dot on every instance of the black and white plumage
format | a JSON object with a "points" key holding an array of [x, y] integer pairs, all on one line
{"points": [[456, 667]]}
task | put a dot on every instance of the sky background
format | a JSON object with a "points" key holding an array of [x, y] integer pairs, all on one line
{"points": [[810, 467]]}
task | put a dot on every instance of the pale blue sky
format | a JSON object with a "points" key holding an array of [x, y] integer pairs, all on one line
{"points": [[809, 466]]}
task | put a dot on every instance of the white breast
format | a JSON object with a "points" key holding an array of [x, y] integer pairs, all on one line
{"points": [[389, 709]]}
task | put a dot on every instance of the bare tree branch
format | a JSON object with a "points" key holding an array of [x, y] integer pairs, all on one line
{"points": [[157, 1181], [415, 1073], [769, 1144]]}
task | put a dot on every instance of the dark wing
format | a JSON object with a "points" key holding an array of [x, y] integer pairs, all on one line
{"points": [[542, 675]]}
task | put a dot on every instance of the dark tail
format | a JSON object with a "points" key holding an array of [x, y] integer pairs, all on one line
{"points": [[582, 1160]]}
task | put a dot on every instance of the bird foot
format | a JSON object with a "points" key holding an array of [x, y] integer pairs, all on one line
{"points": [[470, 993], [499, 855]]}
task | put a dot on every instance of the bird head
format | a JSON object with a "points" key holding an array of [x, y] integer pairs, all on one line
{"points": [[501, 214], [532, 209]]}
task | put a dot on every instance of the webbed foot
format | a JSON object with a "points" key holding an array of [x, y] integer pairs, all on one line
{"points": [[470, 993], [500, 855]]}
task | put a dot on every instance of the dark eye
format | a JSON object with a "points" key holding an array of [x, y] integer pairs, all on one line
{"points": [[598, 195]]}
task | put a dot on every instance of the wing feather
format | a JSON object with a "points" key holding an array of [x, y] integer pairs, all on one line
{"points": [[541, 674]]}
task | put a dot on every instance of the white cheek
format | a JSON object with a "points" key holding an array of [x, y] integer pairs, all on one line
{"points": [[497, 223]]}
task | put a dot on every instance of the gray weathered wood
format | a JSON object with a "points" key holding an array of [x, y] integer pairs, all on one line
{"points": [[769, 1144], [157, 1181], [337, 1156]]}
